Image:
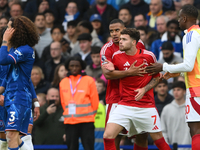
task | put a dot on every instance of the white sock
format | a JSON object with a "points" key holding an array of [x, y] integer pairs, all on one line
{"points": [[3, 145], [28, 141], [23, 146]]}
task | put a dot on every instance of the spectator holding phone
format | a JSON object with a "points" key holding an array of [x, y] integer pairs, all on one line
{"points": [[49, 120]]}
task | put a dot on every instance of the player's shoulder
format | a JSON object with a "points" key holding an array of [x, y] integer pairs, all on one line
{"points": [[23, 49], [118, 53], [106, 46], [148, 54]]}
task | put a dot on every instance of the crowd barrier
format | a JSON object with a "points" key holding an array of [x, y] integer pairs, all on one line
{"points": [[127, 147]]}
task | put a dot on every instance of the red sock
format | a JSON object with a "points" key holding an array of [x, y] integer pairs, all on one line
{"points": [[195, 142], [161, 144], [109, 144], [136, 147]]}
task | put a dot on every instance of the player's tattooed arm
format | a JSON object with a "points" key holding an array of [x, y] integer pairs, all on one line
{"points": [[151, 84]]}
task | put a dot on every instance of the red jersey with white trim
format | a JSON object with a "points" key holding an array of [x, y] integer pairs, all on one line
{"points": [[107, 51], [122, 61]]}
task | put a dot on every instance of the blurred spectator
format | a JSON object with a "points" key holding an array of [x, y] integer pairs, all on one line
{"points": [[168, 54], [38, 6], [143, 36], [54, 61], [71, 13], [168, 5], [3, 8], [37, 77], [49, 128], [80, 105], [45, 36], [121, 2], [66, 49], [85, 41], [101, 89], [106, 11], [3, 22], [126, 17], [137, 6], [174, 127], [41, 99], [85, 27], [162, 96], [171, 14], [16, 10], [57, 33], [49, 19], [155, 11], [59, 74], [60, 6], [170, 35], [94, 69], [71, 33]]}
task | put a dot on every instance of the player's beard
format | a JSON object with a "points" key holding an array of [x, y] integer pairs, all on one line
{"points": [[169, 59]]}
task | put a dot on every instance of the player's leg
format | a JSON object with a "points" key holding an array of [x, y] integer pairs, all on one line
{"points": [[27, 139], [12, 138], [3, 141], [141, 142], [117, 141], [195, 134]]}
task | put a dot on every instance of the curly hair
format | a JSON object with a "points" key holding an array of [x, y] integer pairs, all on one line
{"points": [[25, 32]]}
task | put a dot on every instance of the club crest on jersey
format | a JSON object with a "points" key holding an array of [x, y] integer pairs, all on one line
{"points": [[103, 58], [1, 123], [127, 64]]}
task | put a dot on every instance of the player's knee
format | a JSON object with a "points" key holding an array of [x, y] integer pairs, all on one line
{"points": [[108, 135], [10, 136]]}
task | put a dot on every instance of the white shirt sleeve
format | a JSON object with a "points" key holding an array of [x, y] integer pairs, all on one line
{"points": [[191, 46]]}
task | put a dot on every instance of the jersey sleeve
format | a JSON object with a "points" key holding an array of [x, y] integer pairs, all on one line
{"points": [[5, 58], [105, 54], [33, 90], [190, 53]]}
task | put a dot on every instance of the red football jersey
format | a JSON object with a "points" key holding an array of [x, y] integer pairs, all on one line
{"points": [[107, 51], [129, 84]]}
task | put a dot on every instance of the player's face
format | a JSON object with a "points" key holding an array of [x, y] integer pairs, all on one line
{"points": [[181, 20], [115, 31], [75, 67], [125, 42], [179, 93]]}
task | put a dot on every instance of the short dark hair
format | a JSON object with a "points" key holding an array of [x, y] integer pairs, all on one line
{"points": [[72, 23], [163, 81], [179, 84], [132, 32], [190, 10], [98, 80], [173, 21], [77, 58], [60, 27], [142, 28], [86, 24], [126, 9], [117, 21], [142, 15], [95, 50], [39, 14], [48, 11]]}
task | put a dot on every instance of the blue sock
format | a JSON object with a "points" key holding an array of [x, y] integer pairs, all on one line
{"points": [[17, 148], [2, 139]]}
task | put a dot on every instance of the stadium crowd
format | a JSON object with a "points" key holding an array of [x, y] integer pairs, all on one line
{"points": [[72, 33]]}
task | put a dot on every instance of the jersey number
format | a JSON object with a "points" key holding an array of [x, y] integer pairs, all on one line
{"points": [[12, 116], [154, 119]]}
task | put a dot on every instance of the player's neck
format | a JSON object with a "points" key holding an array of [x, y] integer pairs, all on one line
{"points": [[131, 51]]}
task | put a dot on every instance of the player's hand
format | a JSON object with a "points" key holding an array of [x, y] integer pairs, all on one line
{"points": [[168, 75], [154, 68], [1, 100], [140, 93], [36, 113], [8, 34], [108, 65], [51, 109], [136, 71]]}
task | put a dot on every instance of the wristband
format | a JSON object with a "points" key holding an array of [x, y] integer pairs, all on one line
{"points": [[36, 104]]}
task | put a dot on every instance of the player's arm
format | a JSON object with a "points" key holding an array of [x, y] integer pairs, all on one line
{"points": [[110, 72], [154, 81]]}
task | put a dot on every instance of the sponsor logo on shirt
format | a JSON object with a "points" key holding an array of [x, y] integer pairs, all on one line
{"points": [[33, 55], [145, 62], [18, 52], [127, 64]]}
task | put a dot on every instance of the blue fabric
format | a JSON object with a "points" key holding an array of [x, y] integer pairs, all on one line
{"points": [[18, 82], [156, 47], [17, 118], [21, 144], [17, 148], [75, 16], [113, 3], [3, 139], [2, 118]]}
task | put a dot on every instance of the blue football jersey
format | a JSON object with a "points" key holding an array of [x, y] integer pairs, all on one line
{"points": [[18, 81]]}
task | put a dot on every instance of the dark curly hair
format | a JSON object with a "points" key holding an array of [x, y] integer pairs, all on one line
{"points": [[77, 58], [25, 32]]}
